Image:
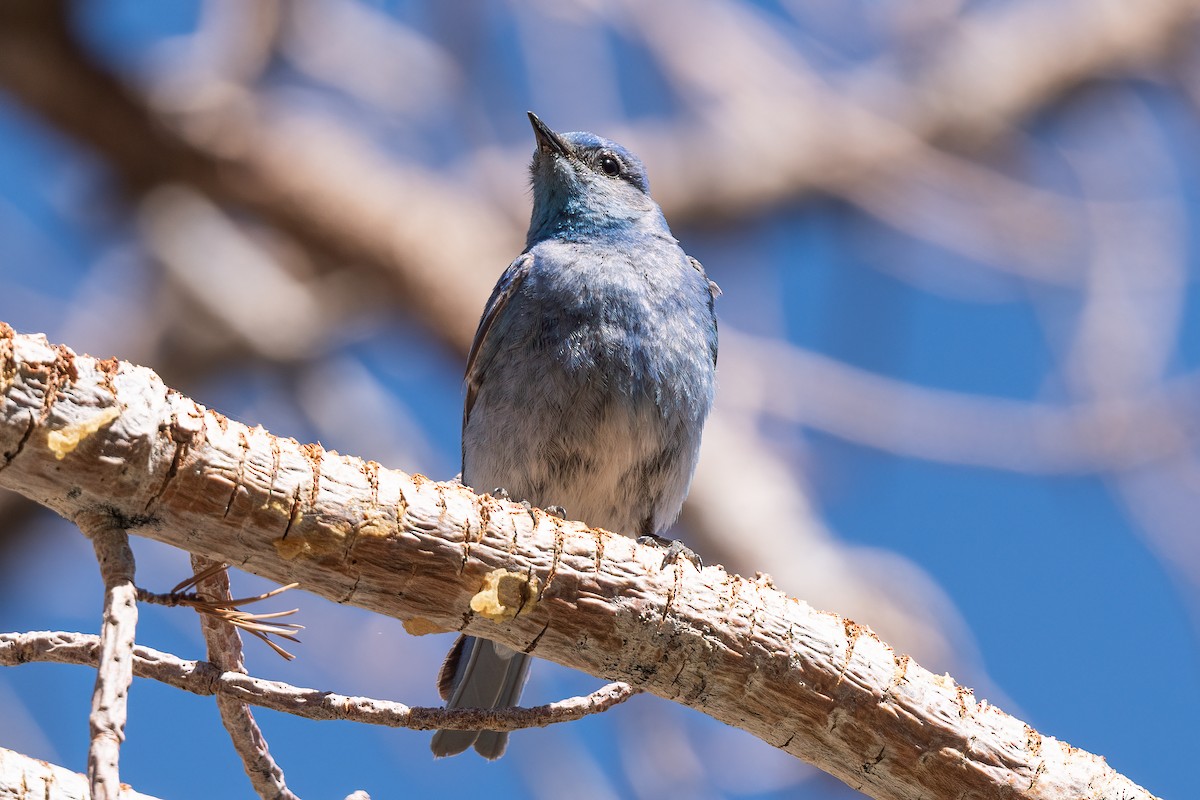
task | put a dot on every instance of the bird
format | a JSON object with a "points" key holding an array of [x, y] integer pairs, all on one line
{"points": [[589, 381]]}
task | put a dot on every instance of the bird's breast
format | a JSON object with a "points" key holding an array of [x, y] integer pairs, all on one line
{"points": [[597, 398]]}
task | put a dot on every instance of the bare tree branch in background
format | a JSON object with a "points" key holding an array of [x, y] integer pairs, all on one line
{"points": [[108, 439], [350, 206], [358, 211], [774, 130], [1146, 425]]}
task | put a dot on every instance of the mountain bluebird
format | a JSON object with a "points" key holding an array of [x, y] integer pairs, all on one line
{"points": [[589, 380]]}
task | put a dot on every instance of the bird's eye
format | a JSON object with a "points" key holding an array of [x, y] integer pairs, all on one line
{"points": [[609, 165]]}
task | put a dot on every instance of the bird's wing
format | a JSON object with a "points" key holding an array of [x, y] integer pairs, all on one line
{"points": [[483, 349], [714, 292]]}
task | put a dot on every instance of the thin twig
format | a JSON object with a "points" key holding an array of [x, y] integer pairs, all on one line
{"points": [[204, 678], [225, 652], [114, 672]]}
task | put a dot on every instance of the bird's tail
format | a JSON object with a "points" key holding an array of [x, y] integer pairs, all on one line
{"points": [[479, 674]]}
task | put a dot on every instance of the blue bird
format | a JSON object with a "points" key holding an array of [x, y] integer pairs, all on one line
{"points": [[589, 380]]}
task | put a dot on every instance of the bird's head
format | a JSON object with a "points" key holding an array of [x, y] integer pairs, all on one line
{"points": [[584, 184]]}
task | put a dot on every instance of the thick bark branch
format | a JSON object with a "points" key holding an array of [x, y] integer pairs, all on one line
{"points": [[79, 435]]}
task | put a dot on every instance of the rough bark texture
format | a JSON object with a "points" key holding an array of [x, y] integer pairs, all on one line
{"points": [[205, 678], [114, 670], [224, 645], [79, 434], [25, 778]]}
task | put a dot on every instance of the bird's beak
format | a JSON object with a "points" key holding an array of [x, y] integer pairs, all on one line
{"points": [[547, 140]]}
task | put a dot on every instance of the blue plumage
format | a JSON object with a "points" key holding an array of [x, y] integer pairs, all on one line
{"points": [[590, 377]]}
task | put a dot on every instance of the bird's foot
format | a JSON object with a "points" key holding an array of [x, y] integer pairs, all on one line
{"points": [[675, 550], [555, 511]]}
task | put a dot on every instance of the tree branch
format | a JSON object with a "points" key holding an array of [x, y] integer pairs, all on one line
{"points": [[225, 651], [313, 184], [995, 68], [114, 670], [206, 678], [340, 206], [24, 777], [79, 435]]}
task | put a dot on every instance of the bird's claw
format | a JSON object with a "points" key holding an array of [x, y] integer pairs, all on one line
{"points": [[501, 493], [675, 550]]}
